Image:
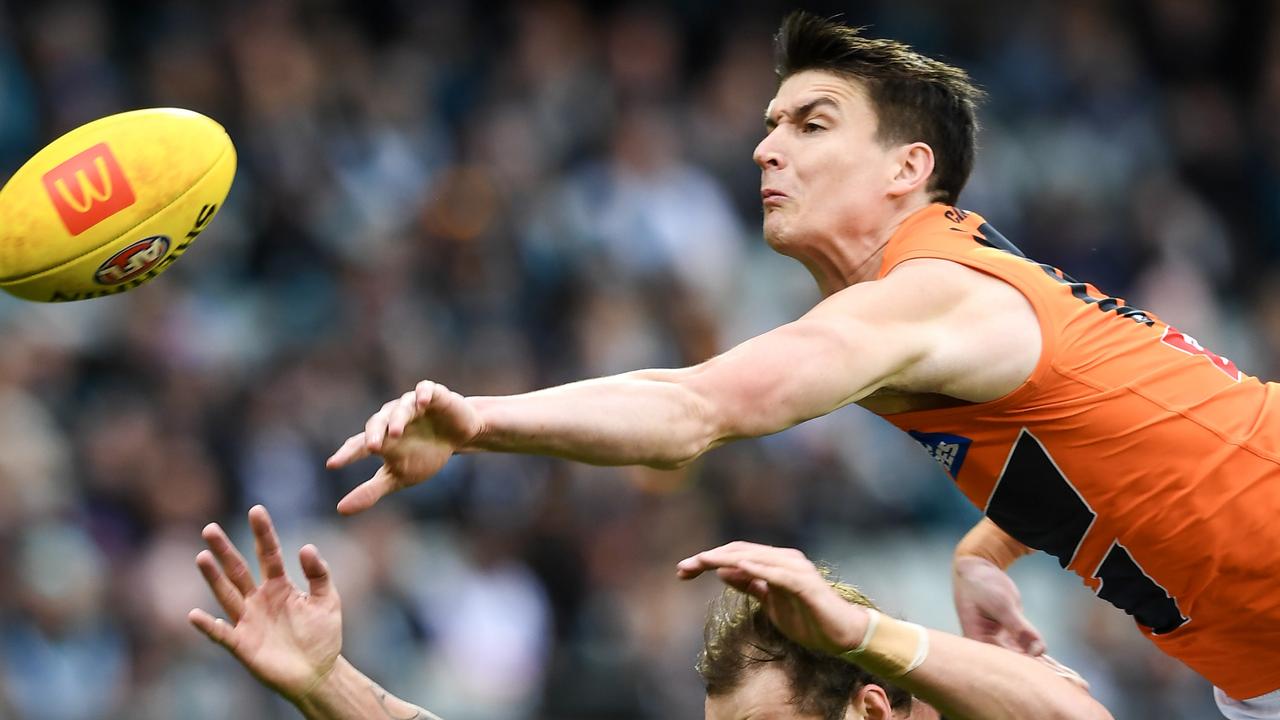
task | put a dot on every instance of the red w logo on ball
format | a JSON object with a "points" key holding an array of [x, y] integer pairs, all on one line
{"points": [[88, 188]]}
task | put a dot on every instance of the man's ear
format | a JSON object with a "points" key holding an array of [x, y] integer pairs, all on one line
{"points": [[914, 168], [869, 703]]}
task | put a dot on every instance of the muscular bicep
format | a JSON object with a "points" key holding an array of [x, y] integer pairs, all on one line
{"points": [[799, 371], [846, 348], [929, 327]]}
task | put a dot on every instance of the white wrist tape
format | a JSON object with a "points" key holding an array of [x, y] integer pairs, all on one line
{"points": [[890, 648]]}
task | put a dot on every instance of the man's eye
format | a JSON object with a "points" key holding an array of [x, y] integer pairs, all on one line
{"points": [[812, 128]]}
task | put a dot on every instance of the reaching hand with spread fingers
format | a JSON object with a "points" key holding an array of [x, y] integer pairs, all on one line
{"points": [[290, 639], [415, 435]]}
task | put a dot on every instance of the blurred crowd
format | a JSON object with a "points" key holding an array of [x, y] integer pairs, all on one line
{"points": [[507, 195]]}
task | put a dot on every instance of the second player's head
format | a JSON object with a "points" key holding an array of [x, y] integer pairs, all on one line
{"points": [[750, 669], [859, 128]]}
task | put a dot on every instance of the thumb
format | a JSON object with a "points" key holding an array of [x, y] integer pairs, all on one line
{"points": [[213, 628], [366, 494]]}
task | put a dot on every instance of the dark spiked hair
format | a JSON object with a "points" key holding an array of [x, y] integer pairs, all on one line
{"points": [[915, 98]]}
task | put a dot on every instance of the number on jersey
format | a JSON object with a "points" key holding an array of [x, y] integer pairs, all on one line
{"points": [[1191, 346]]}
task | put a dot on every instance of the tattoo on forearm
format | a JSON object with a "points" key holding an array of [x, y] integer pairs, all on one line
{"points": [[383, 696]]}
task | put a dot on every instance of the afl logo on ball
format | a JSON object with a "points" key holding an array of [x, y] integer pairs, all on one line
{"points": [[133, 261]]}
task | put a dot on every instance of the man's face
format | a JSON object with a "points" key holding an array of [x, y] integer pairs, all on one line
{"points": [[823, 172], [765, 694]]}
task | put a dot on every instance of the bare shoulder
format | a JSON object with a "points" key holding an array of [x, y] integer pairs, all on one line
{"points": [[950, 281], [983, 336], [924, 289]]}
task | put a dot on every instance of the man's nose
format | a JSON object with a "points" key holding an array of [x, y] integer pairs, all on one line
{"points": [[767, 154]]}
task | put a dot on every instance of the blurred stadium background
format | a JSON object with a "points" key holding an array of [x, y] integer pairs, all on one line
{"points": [[507, 195]]}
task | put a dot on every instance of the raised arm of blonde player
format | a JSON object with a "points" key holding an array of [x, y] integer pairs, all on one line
{"points": [[930, 326], [960, 678], [289, 639]]}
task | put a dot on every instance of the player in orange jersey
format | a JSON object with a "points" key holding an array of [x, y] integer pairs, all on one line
{"points": [[782, 653], [1082, 426]]}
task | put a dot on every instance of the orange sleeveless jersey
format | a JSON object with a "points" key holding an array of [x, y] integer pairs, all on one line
{"points": [[1145, 463]]}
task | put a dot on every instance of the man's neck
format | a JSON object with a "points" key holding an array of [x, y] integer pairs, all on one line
{"points": [[848, 260]]}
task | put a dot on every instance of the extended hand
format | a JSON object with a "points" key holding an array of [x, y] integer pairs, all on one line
{"points": [[288, 639], [415, 434], [797, 598], [990, 607]]}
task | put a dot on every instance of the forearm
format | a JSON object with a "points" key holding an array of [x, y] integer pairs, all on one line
{"points": [[987, 541], [964, 679], [968, 680], [347, 694], [665, 418], [639, 418]]}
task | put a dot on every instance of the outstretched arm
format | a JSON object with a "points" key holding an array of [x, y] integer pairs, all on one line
{"points": [[853, 343], [961, 678], [666, 418], [290, 640]]}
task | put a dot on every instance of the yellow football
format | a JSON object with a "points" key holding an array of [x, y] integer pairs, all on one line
{"points": [[111, 204]]}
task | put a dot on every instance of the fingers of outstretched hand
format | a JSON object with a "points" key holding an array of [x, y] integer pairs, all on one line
{"points": [[424, 393], [736, 553], [216, 629], [754, 568], [716, 557], [355, 448], [316, 570], [450, 413], [270, 557], [735, 577], [366, 494], [690, 567], [375, 430], [226, 593], [782, 576], [232, 562], [404, 412], [743, 581]]}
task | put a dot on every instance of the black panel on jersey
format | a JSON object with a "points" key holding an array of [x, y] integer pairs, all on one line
{"points": [[1035, 504]]}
